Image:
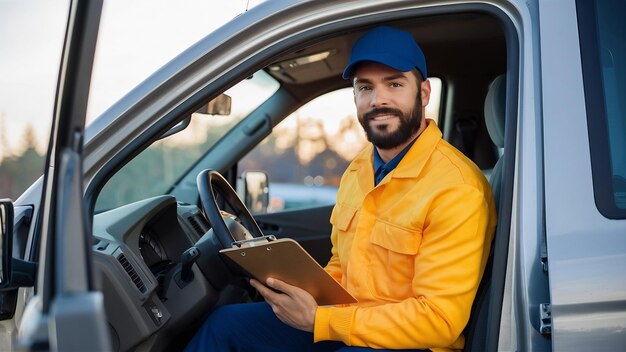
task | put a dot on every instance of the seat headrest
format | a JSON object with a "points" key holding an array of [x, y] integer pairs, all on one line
{"points": [[495, 103]]}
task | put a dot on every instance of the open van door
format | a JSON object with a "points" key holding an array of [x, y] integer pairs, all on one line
{"points": [[66, 313]]}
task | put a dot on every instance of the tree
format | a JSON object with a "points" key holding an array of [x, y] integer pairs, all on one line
{"points": [[18, 172]]}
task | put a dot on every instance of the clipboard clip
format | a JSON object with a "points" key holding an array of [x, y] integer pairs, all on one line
{"points": [[254, 241]]}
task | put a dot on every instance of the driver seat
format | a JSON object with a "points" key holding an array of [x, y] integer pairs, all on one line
{"points": [[476, 330], [495, 104]]}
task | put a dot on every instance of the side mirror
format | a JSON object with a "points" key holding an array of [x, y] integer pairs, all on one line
{"points": [[254, 191], [14, 272], [6, 242]]}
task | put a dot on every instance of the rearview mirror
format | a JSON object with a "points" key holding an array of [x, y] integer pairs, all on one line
{"points": [[254, 191], [218, 106], [6, 242]]}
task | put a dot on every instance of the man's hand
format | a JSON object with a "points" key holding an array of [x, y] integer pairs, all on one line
{"points": [[292, 305]]}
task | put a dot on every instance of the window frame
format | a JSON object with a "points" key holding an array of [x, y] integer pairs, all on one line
{"points": [[597, 119]]}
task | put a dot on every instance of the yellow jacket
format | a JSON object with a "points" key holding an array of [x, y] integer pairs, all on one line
{"points": [[412, 249]]}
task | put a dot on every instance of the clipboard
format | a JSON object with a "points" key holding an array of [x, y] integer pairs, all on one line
{"points": [[284, 259]]}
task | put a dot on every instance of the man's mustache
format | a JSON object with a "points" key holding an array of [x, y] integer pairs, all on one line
{"points": [[382, 111]]}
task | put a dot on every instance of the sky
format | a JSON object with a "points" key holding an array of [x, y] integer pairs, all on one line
{"points": [[136, 38]]}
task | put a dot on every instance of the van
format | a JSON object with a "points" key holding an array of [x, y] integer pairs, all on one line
{"points": [[534, 92]]}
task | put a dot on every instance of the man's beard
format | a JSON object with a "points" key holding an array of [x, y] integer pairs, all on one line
{"points": [[408, 126]]}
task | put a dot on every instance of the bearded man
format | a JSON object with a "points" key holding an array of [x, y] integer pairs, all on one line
{"points": [[412, 228]]}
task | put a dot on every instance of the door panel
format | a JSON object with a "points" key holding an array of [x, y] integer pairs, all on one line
{"points": [[586, 250]]}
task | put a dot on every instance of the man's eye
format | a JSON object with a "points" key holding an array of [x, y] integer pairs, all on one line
{"points": [[364, 88], [396, 85]]}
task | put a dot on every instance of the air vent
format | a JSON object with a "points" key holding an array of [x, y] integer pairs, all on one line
{"points": [[197, 222], [132, 273]]}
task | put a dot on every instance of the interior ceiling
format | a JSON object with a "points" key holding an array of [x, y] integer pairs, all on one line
{"points": [[470, 43]]}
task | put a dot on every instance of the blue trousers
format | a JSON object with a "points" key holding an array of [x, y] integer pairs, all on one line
{"points": [[254, 327]]}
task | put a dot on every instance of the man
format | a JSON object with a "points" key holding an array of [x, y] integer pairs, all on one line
{"points": [[412, 229]]}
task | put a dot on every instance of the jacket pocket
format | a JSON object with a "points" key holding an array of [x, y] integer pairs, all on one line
{"points": [[342, 216], [395, 238], [392, 261]]}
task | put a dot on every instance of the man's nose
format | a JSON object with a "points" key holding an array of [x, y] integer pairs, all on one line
{"points": [[379, 98]]}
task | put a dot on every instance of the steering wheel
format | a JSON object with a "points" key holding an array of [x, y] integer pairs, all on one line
{"points": [[226, 229]]}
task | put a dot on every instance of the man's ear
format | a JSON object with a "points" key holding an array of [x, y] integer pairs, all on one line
{"points": [[425, 92]]}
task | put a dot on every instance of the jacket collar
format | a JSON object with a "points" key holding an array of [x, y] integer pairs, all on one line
{"points": [[414, 161], [410, 166]]}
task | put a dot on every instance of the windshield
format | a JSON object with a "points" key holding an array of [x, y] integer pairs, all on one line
{"points": [[138, 37], [166, 160]]}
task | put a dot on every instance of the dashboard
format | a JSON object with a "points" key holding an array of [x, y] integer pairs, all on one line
{"points": [[137, 252]]}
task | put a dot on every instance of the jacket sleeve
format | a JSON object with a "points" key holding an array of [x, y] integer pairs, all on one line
{"points": [[456, 237]]}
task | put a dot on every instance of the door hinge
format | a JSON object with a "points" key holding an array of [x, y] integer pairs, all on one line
{"points": [[545, 318]]}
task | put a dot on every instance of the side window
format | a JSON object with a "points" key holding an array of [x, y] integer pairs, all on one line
{"points": [[308, 152], [310, 149], [602, 33]]}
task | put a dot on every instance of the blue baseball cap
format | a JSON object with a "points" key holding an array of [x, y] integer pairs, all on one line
{"points": [[389, 46]]}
